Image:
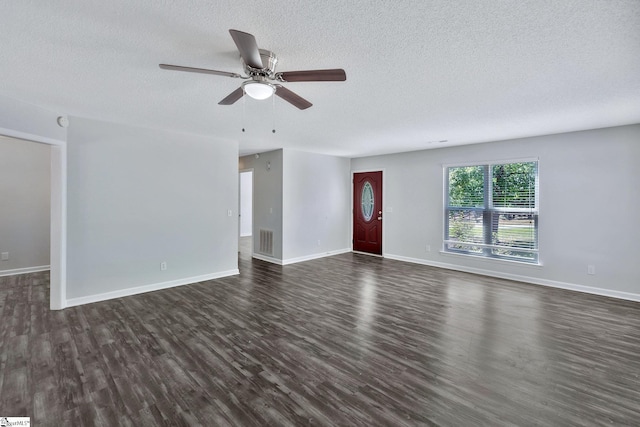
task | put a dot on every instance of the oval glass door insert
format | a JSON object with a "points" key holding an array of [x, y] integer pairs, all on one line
{"points": [[366, 201]]}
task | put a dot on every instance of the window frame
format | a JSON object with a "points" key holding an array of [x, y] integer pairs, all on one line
{"points": [[487, 212]]}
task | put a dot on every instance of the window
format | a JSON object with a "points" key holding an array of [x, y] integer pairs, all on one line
{"points": [[491, 210]]}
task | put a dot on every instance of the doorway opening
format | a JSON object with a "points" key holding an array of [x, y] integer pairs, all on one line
{"points": [[25, 217], [58, 214], [245, 214]]}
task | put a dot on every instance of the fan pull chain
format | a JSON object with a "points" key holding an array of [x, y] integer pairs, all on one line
{"points": [[273, 98], [244, 100]]}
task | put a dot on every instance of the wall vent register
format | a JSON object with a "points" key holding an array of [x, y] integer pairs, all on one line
{"points": [[266, 242]]}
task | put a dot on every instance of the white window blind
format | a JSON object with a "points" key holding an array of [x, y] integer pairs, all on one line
{"points": [[491, 210]]}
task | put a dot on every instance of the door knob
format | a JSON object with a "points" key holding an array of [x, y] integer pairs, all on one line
{"points": [[379, 217]]}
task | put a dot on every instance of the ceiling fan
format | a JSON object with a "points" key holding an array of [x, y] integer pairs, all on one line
{"points": [[260, 66]]}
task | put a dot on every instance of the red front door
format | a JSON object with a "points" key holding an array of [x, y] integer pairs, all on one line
{"points": [[367, 212]]}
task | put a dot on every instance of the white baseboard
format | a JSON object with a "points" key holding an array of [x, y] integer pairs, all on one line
{"points": [[527, 279], [147, 288], [315, 256], [300, 259], [267, 259], [25, 270]]}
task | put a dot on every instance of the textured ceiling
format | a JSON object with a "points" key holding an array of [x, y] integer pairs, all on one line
{"points": [[418, 72]]}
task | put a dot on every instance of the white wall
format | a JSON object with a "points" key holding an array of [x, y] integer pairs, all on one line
{"points": [[589, 207], [246, 203], [303, 198], [267, 198], [317, 208], [138, 197], [25, 182]]}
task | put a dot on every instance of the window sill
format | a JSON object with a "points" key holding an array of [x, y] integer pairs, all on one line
{"points": [[493, 260]]}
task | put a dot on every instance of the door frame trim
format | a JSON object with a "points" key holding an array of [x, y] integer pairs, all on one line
{"points": [[384, 210], [57, 214]]}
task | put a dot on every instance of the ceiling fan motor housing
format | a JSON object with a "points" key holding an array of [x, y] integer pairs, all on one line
{"points": [[269, 61]]}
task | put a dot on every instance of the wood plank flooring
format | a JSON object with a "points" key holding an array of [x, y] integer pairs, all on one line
{"points": [[347, 340]]}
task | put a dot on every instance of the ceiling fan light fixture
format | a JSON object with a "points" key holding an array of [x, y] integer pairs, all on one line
{"points": [[258, 90]]}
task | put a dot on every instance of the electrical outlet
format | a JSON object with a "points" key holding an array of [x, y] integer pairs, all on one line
{"points": [[318, 242], [229, 212], [163, 266], [427, 248], [591, 269], [5, 256]]}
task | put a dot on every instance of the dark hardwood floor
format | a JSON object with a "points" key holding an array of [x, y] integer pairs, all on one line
{"points": [[347, 340]]}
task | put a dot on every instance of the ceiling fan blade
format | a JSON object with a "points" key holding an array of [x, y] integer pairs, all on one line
{"points": [[248, 48], [232, 97], [333, 75], [293, 98], [198, 70]]}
